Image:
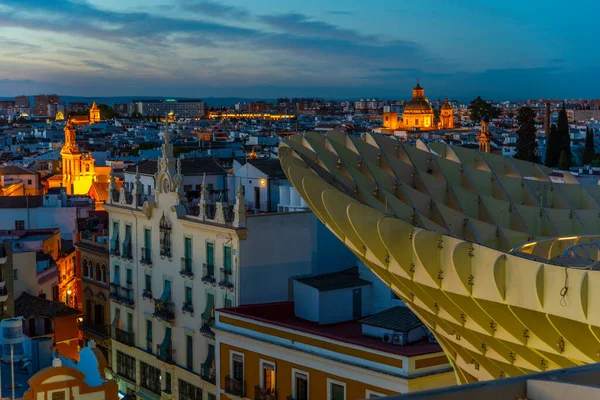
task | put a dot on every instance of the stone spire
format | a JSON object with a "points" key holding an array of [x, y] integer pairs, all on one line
{"points": [[239, 209], [203, 198], [137, 187]]}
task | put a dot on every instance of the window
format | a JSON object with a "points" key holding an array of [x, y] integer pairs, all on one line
{"points": [[29, 181], [299, 385], [129, 276], [98, 273], [188, 296], [267, 376], [104, 277], [85, 268], [212, 396], [148, 284], [15, 274], [126, 366], [114, 240], [336, 390], [210, 254], [237, 366], [227, 258], [117, 275], [127, 242], [147, 250], [150, 378], [60, 395], [149, 334], [168, 383], [19, 225], [189, 350], [187, 391]]}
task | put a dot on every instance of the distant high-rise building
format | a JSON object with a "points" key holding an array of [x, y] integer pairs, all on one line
{"points": [[188, 108], [79, 106], [42, 101], [54, 108], [22, 102]]}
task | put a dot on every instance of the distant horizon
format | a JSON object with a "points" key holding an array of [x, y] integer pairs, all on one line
{"points": [[232, 100]]}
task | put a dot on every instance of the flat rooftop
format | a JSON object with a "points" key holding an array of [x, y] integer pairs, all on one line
{"points": [[350, 332]]}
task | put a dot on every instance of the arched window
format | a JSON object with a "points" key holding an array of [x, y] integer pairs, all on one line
{"points": [[98, 272], [85, 268], [104, 277]]}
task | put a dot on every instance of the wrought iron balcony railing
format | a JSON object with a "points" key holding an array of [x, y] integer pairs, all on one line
{"points": [[127, 338], [187, 267], [235, 387]]}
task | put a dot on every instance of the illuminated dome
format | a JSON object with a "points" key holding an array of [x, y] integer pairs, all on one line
{"points": [[496, 257], [418, 112]]}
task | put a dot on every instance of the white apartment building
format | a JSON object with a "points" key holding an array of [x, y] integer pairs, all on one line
{"points": [[173, 262]]}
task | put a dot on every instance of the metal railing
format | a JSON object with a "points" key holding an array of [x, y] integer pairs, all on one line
{"points": [[207, 373], [127, 338], [187, 267], [208, 272], [226, 278], [146, 257], [264, 394], [164, 310], [235, 387], [168, 355], [98, 329]]}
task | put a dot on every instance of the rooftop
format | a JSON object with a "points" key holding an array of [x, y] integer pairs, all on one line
{"points": [[189, 167], [399, 319], [335, 281], [27, 306], [15, 170], [350, 332]]}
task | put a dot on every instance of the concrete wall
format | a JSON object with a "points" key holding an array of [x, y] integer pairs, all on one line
{"points": [[64, 218], [278, 247], [25, 264], [336, 305], [306, 302]]}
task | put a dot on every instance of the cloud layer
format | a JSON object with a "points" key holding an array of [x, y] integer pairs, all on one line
{"points": [[211, 48]]}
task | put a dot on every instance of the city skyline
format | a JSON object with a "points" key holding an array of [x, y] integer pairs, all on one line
{"points": [[334, 49]]}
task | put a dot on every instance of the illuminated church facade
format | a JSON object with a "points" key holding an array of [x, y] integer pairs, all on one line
{"points": [[78, 169], [418, 115]]}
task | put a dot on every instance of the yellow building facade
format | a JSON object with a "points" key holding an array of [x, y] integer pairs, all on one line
{"points": [[495, 255], [446, 115], [270, 361]]}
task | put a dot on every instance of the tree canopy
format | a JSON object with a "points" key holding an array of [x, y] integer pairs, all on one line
{"points": [[564, 135], [589, 153], [526, 142], [480, 108], [552, 148]]}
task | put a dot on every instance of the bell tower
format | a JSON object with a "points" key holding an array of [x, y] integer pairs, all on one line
{"points": [[94, 114]]}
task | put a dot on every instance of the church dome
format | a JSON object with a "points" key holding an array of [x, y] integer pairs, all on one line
{"points": [[418, 104]]}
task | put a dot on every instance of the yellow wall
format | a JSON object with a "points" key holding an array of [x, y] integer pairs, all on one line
{"points": [[355, 390]]}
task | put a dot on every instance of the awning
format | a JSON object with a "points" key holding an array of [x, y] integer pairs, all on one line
{"points": [[166, 295], [166, 343], [209, 311], [117, 276], [113, 240], [210, 357], [127, 240], [117, 319]]}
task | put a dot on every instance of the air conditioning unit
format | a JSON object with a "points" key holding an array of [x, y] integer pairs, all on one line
{"points": [[397, 338], [387, 338]]}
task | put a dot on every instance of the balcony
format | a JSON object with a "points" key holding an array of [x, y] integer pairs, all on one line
{"points": [[207, 373], [226, 280], [147, 294], [96, 329], [188, 307], [164, 310], [127, 338], [127, 254], [122, 295], [264, 394], [208, 273], [114, 251], [206, 330], [165, 354], [146, 258], [235, 387], [187, 268]]}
